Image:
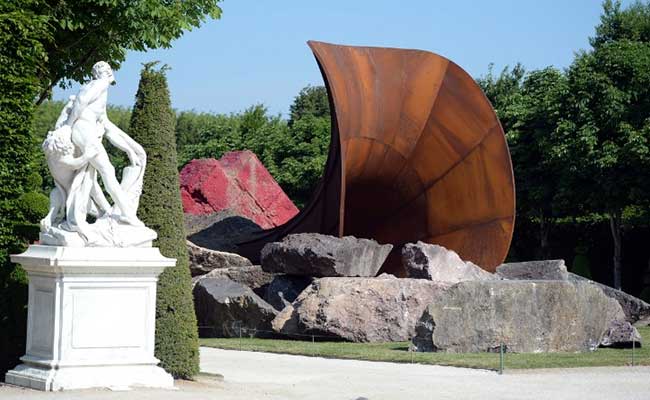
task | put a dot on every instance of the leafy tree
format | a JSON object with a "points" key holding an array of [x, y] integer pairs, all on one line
{"points": [[85, 31], [212, 135], [503, 91], [152, 125], [605, 135], [22, 34], [542, 194], [529, 106], [300, 167], [194, 128], [312, 100], [631, 23]]}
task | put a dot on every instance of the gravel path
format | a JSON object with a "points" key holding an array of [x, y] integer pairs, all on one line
{"points": [[249, 375]]}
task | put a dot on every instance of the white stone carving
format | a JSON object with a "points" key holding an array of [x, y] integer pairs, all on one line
{"points": [[91, 318], [76, 157]]}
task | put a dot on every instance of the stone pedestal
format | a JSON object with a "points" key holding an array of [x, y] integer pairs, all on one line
{"points": [[91, 318]]}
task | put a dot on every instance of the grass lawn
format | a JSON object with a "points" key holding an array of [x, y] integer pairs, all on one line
{"points": [[398, 352]]}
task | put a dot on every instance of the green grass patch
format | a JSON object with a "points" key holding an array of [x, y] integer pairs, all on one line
{"points": [[398, 352]]}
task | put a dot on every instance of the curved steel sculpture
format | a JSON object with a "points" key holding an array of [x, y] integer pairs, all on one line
{"points": [[417, 153]]}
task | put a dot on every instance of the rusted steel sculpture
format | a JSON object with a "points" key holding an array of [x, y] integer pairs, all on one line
{"points": [[417, 153]]}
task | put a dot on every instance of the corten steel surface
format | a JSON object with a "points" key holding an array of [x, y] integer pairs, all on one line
{"points": [[417, 153]]}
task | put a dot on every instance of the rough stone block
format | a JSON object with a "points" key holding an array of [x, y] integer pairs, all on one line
{"points": [[222, 306], [381, 309], [552, 270], [526, 316], [204, 260], [317, 255], [436, 263]]}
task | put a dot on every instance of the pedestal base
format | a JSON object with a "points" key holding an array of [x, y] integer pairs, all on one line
{"points": [[112, 377], [91, 318]]}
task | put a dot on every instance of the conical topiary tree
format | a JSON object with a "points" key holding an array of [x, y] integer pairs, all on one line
{"points": [[152, 125]]}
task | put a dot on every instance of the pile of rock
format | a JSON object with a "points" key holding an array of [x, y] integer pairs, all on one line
{"points": [[229, 292], [313, 284]]}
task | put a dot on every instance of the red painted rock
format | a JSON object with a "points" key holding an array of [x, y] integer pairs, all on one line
{"points": [[238, 182]]}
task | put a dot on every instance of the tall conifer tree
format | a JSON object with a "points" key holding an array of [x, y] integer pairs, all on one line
{"points": [[152, 125]]}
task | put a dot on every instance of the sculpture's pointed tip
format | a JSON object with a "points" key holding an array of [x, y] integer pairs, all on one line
{"points": [[315, 43]]}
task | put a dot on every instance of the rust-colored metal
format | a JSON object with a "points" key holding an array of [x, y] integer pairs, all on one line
{"points": [[417, 153]]}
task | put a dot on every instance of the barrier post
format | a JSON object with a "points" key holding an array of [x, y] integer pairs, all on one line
{"points": [[501, 359]]}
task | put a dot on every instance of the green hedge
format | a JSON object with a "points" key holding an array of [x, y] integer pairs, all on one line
{"points": [[21, 52], [152, 125]]}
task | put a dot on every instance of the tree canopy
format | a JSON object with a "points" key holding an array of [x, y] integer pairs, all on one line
{"points": [[605, 132], [580, 138], [85, 31], [311, 101]]}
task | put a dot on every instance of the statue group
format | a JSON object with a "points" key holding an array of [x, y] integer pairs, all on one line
{"points": [[78, 161], [93, 277]]}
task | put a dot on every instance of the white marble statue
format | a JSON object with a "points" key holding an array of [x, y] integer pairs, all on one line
{"points": [[76, 158]]}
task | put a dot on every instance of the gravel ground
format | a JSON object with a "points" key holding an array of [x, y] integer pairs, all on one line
{"points": [[249, 375]]}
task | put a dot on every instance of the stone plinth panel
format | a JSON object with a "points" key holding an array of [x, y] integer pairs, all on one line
{"points": [[91, 318]]}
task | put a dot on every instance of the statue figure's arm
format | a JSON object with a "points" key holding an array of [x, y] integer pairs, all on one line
{"points": [[78, 162], [65, 113], [122, 141]]}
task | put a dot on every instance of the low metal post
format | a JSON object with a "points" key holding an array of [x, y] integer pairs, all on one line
{"points": [[633, 351], [501, 359], [240, 337]]}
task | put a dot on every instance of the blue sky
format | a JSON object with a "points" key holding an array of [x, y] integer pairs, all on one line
{"points": [[256, 53]]}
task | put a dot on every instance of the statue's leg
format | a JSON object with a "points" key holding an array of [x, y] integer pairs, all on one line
{"points": [[82, 136], [103, 165], [57, 206], [98, 197]]}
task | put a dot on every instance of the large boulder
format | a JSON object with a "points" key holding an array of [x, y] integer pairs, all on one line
{"points": [[251, 276], [621, 334], [223, 232], [195, 223], [526, 316], [436, 263], [382, 309], [552, 270], [635, 309], [204, 260], [317, 255], [223, 306], [237, 182], [284, 289]]}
